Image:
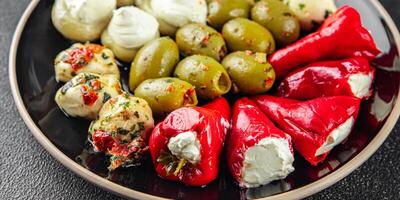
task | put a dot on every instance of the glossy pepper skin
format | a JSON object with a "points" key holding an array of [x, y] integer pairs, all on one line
{"points": [[340, 36], [327, 78], [309, 123], [210, 124], [249, 126]]}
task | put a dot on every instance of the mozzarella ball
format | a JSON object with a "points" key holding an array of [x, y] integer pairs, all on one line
{"points": [[129, 29], [125, 118], [82, 20], [311, 13], [85, 94], [172, 14], [88, 57]]}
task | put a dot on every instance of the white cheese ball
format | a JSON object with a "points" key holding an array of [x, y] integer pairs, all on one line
{"points": [[129, 29], [82, 20], [125, 118], [85, 94], [311, 12], [87, 57], [172, 14], [121, 3]]}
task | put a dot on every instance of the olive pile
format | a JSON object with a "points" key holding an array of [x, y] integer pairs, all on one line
{"points": [[228, 54]]}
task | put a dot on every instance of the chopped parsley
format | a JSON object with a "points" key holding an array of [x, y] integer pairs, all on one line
{"points": [[122, 131], [136, 113], [106, 97], [302, 6], [105, 56]]}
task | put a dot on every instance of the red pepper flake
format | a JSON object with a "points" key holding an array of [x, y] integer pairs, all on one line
{"points": [[89, 96], [95, 48], [205, 40], [268, 82], [249, 53], [170, 88], [96, 84], [103, 140], [118, 88], [79, 57]]}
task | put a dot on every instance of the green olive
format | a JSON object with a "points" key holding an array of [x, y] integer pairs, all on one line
{"points": [[221, 11], [242, 34], [154, 60], [279, 19], [165, 95], [207, 75], [250, 72], [201, 39]]}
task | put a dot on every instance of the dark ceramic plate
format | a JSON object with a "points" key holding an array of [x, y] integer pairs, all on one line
{"points": [[36, 44]]}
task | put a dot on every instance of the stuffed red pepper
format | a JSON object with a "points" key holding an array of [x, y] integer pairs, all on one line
{"points": [[340, 36], [316, 126], [349, 77], [257, 152], [186, 146]]}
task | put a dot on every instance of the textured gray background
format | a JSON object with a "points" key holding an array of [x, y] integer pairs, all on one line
{"points": [[27, 171]]}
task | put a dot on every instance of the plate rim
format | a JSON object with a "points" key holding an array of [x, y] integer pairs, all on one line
{"points": [[120, 190]]}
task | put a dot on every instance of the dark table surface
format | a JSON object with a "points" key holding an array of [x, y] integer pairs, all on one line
{"points": [[27, 171]]}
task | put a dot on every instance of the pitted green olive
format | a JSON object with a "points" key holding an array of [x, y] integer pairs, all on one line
{"points": [[201, 39], [279, 19], [250, 72], [166, 94], [156, 59], [242, 34], [207, 75], [221, 11]]}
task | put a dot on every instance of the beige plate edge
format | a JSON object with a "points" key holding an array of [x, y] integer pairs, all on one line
{"points": [[298, 193]]}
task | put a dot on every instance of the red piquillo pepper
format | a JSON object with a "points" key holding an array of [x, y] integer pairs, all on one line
{"points": [[194, 129], [249, 127], [349, 77], [340, 36], [316, 126]]}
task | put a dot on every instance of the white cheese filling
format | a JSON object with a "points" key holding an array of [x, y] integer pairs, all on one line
{"points": [[360, 84], [311, 11], [185, 146], [336, 137], [180, 12], [270, 159], [89, 11], [131, 27]]}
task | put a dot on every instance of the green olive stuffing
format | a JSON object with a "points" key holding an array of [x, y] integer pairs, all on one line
{"points": [[221, 11], [166, 94], [207, 75], [279, 19], [250, 72], [201, 39], [156, 59], [242, 34]]}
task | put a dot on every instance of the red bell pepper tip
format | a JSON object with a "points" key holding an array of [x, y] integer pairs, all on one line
{"points": [[249, 126], [210, 133], [310, 122], [340, 36], [328, 78]]}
